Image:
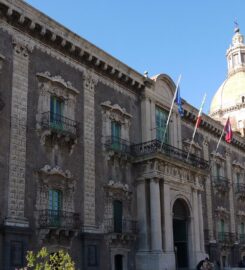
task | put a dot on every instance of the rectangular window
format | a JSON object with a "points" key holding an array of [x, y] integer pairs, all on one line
{"points": [[161, 120], [218, 171], [55, 206], [116, 135], [56, 112], [92, 255], [238, 179], [243, 58], [117, 214], [16, 253]]}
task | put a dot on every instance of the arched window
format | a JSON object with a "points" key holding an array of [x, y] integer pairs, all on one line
{"points": [[243, 99], [242, 233]]}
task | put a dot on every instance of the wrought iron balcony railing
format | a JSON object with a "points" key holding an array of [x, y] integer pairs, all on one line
{"points": [[242, 238], [117, 144], [220, 182], [59, 123], [240, 188], [123, 226], [154, 146], [226, 237], [59, 219]]}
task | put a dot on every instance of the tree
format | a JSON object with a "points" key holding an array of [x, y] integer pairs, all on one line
{"points": [[60, 260]]}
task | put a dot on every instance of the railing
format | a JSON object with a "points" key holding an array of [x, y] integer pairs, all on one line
{"points": [[117, 144], [59, 123], [226, 237], [154, 146], [221, 182], [58, 219], [240, 188], [242, 238], [120, 226]]}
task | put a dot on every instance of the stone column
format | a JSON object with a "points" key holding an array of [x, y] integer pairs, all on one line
{"points": [[89, 82], [142, 219], [17, 156], [168, 220], [231, 194], [208, 194], [155, 207]]}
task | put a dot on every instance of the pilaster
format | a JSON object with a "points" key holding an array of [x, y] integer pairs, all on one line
{"points": [[142, 219], [17, 157], [231, 194], [89, 83], [146, 127], [155, 207], [168, 220], [208, 195]]}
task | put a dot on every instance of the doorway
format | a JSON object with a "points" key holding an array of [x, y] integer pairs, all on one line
{"points": [[180, 233], [118, 262]]}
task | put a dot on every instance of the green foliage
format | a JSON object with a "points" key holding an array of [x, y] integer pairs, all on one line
{"points": [[45, 261]]}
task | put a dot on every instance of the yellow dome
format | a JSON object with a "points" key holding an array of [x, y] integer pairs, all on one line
{"points": [[230, 93]]}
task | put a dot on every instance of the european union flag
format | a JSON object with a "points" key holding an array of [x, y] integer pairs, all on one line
{"points": [[178, 101]]}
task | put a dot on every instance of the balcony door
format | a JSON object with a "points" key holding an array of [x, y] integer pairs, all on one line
{"points": [[56, 112], [161, 120], [55, 206], [117, 216], [116, 135]]}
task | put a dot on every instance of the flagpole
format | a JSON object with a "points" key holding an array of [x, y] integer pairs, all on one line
{"points": [[170, 112], [220, 139], [195, 129], [221, 136]]}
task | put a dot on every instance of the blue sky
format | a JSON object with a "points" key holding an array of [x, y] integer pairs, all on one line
{"points": [[173, 37]]}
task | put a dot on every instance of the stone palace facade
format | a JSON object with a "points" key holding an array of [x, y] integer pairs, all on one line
{"points": [[83, 167]]}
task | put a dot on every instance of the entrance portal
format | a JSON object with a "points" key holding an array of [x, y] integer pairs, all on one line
{"points": [[180, 231]]}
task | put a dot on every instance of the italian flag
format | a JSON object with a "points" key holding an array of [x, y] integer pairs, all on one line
{"points": [[199, 117]]}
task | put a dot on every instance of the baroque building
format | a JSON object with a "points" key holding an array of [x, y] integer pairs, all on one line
{"points": [[83, 166]]}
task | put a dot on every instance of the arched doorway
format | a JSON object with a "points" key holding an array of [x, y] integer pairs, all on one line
{"points": [[180, 231]]}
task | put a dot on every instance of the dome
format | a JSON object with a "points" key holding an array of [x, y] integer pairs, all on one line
{"points": [[230, 93]]}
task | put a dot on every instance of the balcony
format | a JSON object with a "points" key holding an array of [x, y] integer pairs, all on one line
{"points": [[59, 124], [154, 146], [221, 183], [226, 238], [240, 190], [242, 239], [118, 145], [56, 219], [123, 226]]}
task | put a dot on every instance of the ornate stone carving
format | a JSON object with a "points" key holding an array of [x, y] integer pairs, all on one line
{"points": [[22, 46], [58, 80], [2, 58], [118, 190], [89, 80], [47, 169], [66, 132], [222, 213]]}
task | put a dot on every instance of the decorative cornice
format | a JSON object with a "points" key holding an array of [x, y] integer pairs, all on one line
{"points": [[195, 144], [210, 125], [217, 155], [238, 164], [48, 170], [42, 28], [116, 108], [58, 80]]}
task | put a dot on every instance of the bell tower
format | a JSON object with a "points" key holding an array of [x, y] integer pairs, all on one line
{"points": [[236, 53]]}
